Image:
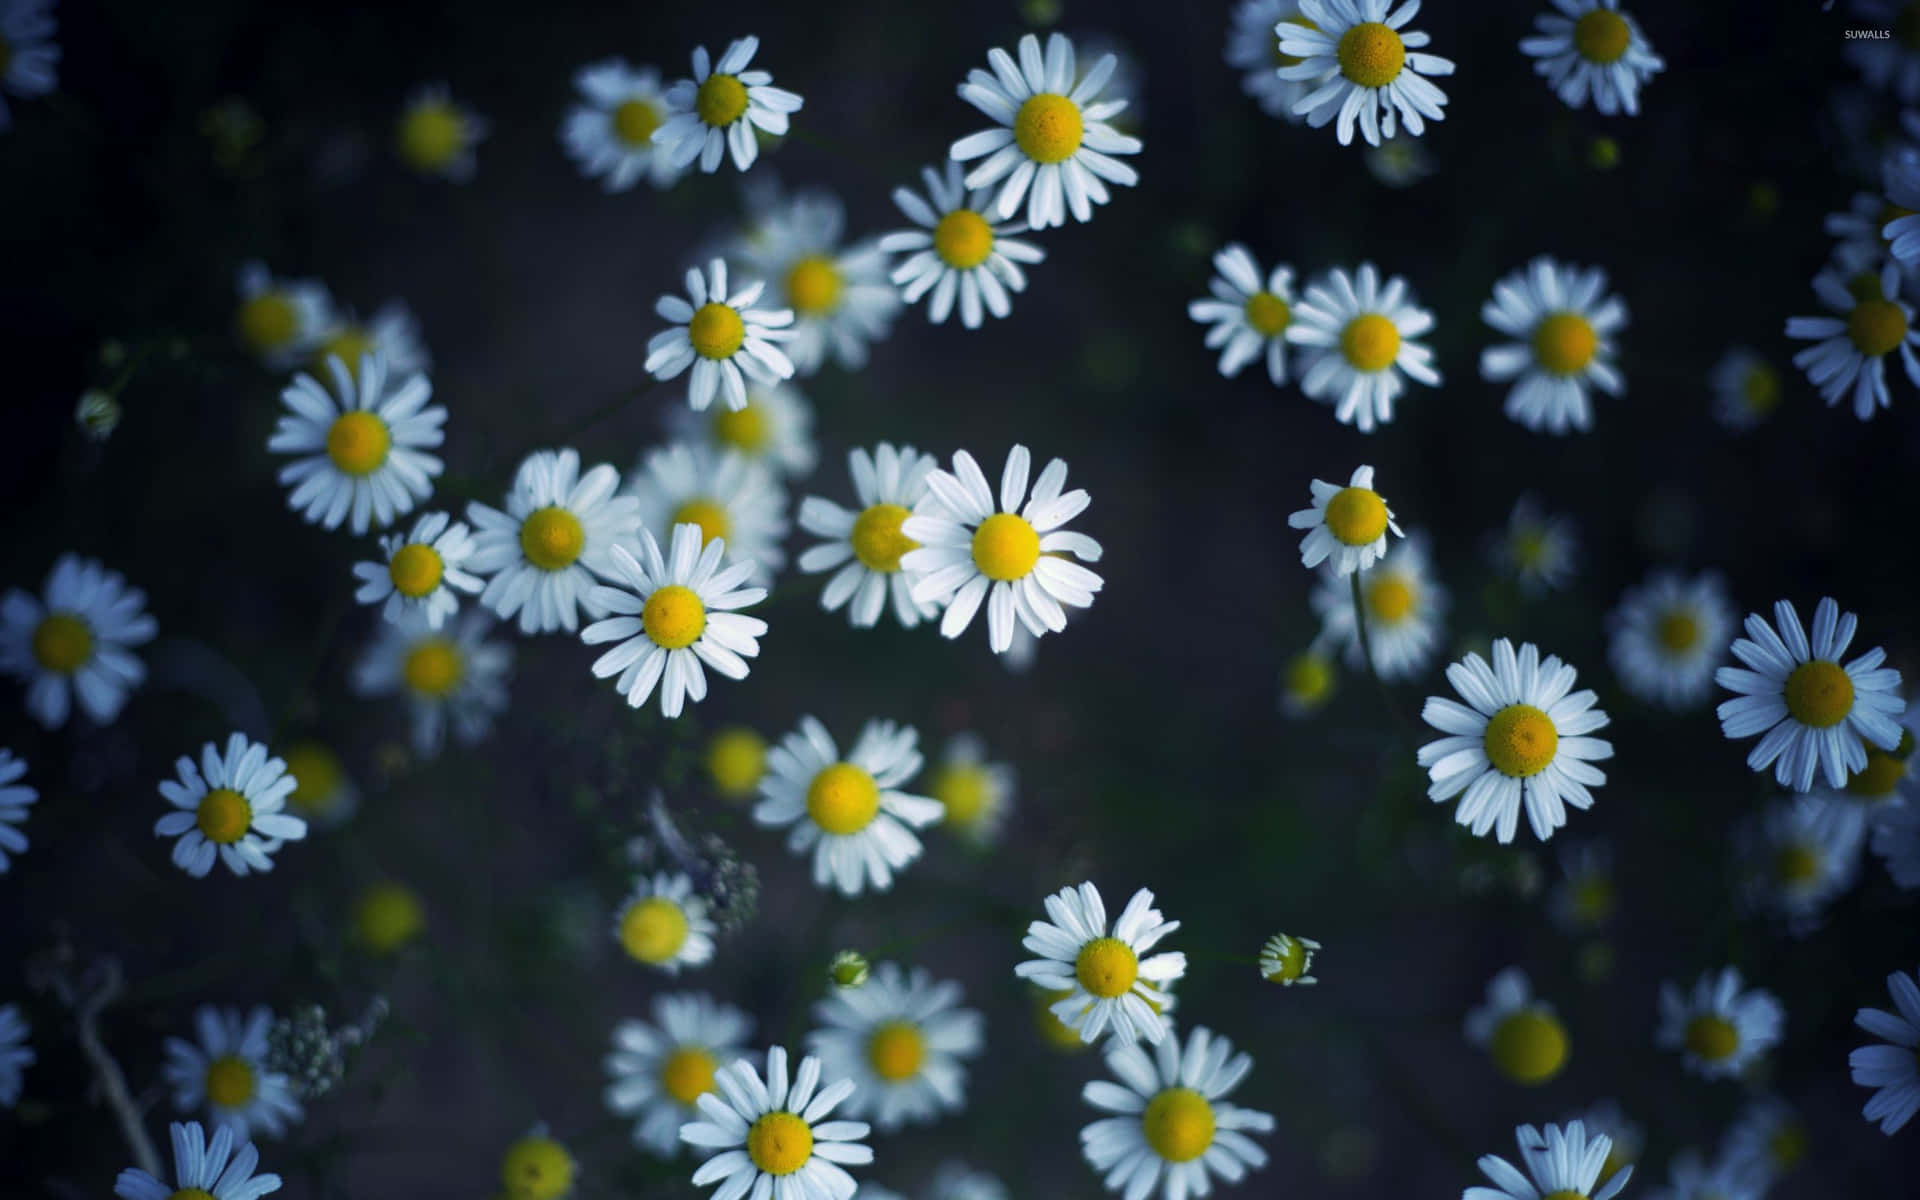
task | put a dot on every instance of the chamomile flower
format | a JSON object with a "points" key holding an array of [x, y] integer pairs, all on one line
{"points": [[965, 252], [537, 1167], [1360, 333], [422, 571], [435, 136], [659, 1069], [543, 555], [730, 497], [1253, 49], [1888, 64], [902, 1039], [215, 1170], [1691, 1177], [1901, 229], [664, 923], [1356, 62], [392, 332], [1892, 1067], [1519, 1031], [229, 806], [1520, 740], [1861, 244], [727, 338], [387, 916], [1404, 606], [850, 812], [280, 320], [323, 795], [1053, 146], [1815, 715], [977, 794], [1797, 854], [775, 429], [719, 110], [1249, 314], [1768, 1141], [775, 1139], [1852, 349], [1629, 1138], [609, 133], [1565, 1160], [957, 1181], [1537, 549], [1719, 1029], [1888, 778], [1666, 637], [1896, 840], [865, 547], [225, 1069], [27, 52], [840, 296], [1173, 1128], [360, 448], [1747, 389], [15, 1054], [1565, 322], [1107, 984], [1591, 48], [1013, 558], [1286, 959], [74, 641], [1399, 161], [1585, 898], [670, 615], [736, 761], [453, 677], [15, 798], [1347, 525], [1307, 682]]}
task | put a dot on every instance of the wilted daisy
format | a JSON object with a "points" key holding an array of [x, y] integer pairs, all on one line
{"points": [[1719, 1029], [1590, 47], [451, 677], [1852, 348], [1348, 525], [392, 332], [1249, 314], [1666, 637], [1892, 1068], [229, 806], [664, 923], [1286, 959], [1565, 322], [1053, 146], [775, 429], [74, 641], [1361, 332], [1355, 62], [1399, 161], [966, 252], [323, 795], [901, 1038], [15, 798], [537, 1167], [435, 136], [1768, 1141], [1815, 715], [1173, 1128], [225, 1069], [15, 1054], [1746, 389], [543, 555], [736, 761], [1566, 1161], [1537, 549], [1404, 605], [1585, 898], [1691, 1177], [27, 52], [725, 337], [1518, 1030], [1896, 840], [851, 811], [422, 570], [361, 447], [660, 1069], [1012, 558], [1797, 854], [775, 1139], [1889, 64], [1307, 682], [719, 109], [672, 614], [730, 497], [213, 1170], [976, 793], [1253, 49], [1108, 984], [865, 547], [280, 320], [610, 132], [840, 296]]}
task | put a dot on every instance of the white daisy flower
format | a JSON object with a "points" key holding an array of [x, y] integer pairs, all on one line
{"points": [[435, 136], [901, 1039], [1253, 49], [1249, 313], [1797, 855], [610, 132], [664, 923], [1768, 1141], [731, 498], [15, 798], [1565, 1160], [1629, 1138], [451, 677], [1053, 146], [1816, 716], [1348, 525], [1896, 839], [1108, 984], [1011, 557], [1861, 244], [1307, 682], [1852, 349], [226, 1071], [1361, 333], [324, 795], [361, 447], [1399, 161], [1691, 1177], [1286, 959], [660, 1069], [671, 614], [1519, 1031], [719, 109], [392, 332], [966, 251], [15, 1054], [957, 1181], [1888, 64], [1356, 62], [231, 806], [280, 320], [1520, 740], [977, 794], [1590, 47], [1173, 1129], [27, 52], [840, 296], [213, 1170], [1585, 898], [774, 429], [725, 337], [74, 641], [1666, 637], [851, 812], [1889, 777], [866, 547], [1892, 1068], [1538, 549], [1746, 389], [1719, 1030], [556, 538], [1900, 228], [1404, 604], [1565, 322], [421, 572], [773, 1139]]}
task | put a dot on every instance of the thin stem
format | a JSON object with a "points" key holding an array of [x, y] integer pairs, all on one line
{"points": [[1366, 652], [105, 986]]}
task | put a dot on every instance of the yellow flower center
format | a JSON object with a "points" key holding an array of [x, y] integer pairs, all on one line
{"points": [[1797, 865], [358, 443], [349, 345], [813, 286], [687, 1074], [1292, 962], [967, 791], [1565, 1194], [1371, 54], [1593, 899], [896, 1051], [721, 100], [1760, 389], [1106, 967], [388, 917], [634, 122], [1370, 342], [223, 816], [1564, 342], [1357, 516], [1530, 1046], [745, 429], [716, 331], [536, 1168], [1712, 1038], [1521, 740], [963, 239], [431, 136], [268, 321], [1884, 771], [415, 569], [674, 617], [1788, 1145], [843, 799], [653, 930], [229, 1081], [1053, 1030], [1281, 59], [1178, 1124], [551, 538], [1005, 547], [191, 1194], [1601, 36], [432, 667], [1048, 128], [1819, 694], [1391, 599], [1865, 286], [1678, 631], [1877, 327], [736, 759], [1309, 678], [708, 514], [779, 1143], [1268, 314], [62, 643], [317, 778], [878, 542]]}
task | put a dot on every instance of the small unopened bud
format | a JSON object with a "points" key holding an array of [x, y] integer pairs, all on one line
{"points": [[97, 414], [849, 969]]}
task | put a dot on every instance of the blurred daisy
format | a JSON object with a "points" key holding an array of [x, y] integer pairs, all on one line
{"points": [[976, 794], [1404, 605], [736, 761], [719, 109], [1566, 1160], [1691, 1177], [1746, 389], [1891, 1068], [1900, 230], [543, 555], [1108, 984], [15, 798], [1896, 839], [27, 52], [1399, 161], [1053, 146], [1768, 1141], [229, 806], [1591, 47], [725, 337], [360, 448], [1888, 64], [213, 1170], [1348, 525], [1354, 61], [280, 320], [1361, 336], [1816, 716], [1719, 1030], [1285, 960], [1853, 347], [957, 1181], [865, 547], [1307, 682], [323, 794], [1887, 779], [451, 677], [1253, 49], [1249, 314], [1518, 1031], [1520, 740], [1797, 855], [226, 1070], [15, 1054], [775, 429], [730, 497], [1666, 637], [435, 136], [664, 923], [1604, 1118], [392, 332], [74, 642], [387, 916], [421, 572], [840, 296], [1014, 558], [851, 812], [1859, 232], [1565, 321], [1538, 549], [610, 132], [537, 1167], [1585, 898], [1173, 1129], [772, 1138], [660, 1069], [901, 1039], [965, 251]]}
